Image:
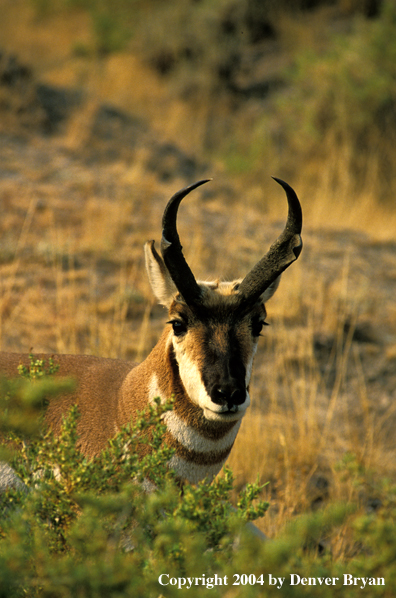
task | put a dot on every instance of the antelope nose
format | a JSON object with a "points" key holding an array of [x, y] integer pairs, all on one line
{"points": [[228, 395]]}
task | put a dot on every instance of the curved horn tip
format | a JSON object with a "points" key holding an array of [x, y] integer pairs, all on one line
{"points": [[174, 202], [291, 194], [282, 183], [197, 184], [171, 249], [295, 212]]}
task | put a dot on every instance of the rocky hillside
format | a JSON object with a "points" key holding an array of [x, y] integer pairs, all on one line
{"points": [[83, 182]]}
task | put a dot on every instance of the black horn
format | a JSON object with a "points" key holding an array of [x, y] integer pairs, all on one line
{"points": [[281, 254], [172, 253]]}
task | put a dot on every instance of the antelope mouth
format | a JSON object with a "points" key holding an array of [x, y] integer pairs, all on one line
{"points": [[232, 410], [225, 416], [225, 412]]}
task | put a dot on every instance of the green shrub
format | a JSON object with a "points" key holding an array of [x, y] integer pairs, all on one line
{"points": [[73, 532], [88, 529]]}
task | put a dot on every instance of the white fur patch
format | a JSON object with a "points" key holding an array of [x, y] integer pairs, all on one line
{"points": [[160, 280], [249, 366], [193, 440], [195, 388], [154, 389], [192, 472]]}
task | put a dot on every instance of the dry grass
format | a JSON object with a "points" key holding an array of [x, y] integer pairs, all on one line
{"points": [[72, 280], [309, 411]]}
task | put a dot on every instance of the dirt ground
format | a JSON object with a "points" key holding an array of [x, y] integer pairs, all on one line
{"points": [[83, 186]]}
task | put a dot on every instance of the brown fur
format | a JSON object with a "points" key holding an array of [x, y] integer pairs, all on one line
{"points": [[209, 343], [110, 391]]}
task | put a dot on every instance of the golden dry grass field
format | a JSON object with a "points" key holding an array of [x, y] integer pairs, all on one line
{"points": [[78, 204]]}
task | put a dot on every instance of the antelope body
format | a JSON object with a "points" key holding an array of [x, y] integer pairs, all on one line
{"points": [[203, 359]]}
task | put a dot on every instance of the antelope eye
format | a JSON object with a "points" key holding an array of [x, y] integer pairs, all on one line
{"points": [[179, 327], [257, 326]]}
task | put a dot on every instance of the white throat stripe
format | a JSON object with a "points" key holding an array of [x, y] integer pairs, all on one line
{"points": [[192, 472], [193, 440]]}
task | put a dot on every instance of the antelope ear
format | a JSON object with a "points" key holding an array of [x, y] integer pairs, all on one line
{"points": [[161, 283], [271, 290]]}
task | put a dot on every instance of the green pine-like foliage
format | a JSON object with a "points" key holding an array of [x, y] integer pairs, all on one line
{"points": [[87, 528]]}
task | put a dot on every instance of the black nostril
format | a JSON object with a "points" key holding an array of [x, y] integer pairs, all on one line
{"points": [[219, 395], [238, 396], [227, 395]]}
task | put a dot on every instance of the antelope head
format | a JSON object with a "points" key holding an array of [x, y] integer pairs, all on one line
{"points": [[214, 327]]}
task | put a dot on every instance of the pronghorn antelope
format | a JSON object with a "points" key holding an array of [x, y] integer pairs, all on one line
{"points": [[203, 359]]}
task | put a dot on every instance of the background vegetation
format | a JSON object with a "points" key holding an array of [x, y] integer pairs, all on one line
{"points": [[107, 109], [87, 528]]}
